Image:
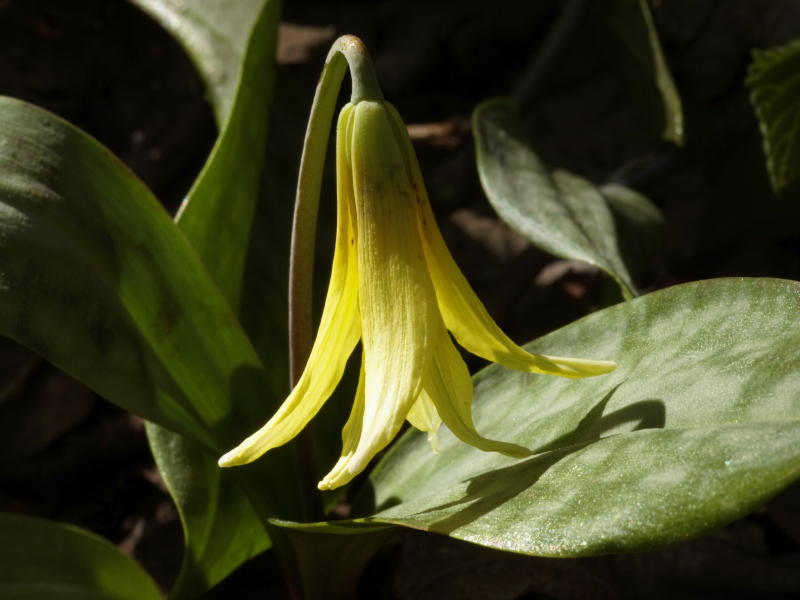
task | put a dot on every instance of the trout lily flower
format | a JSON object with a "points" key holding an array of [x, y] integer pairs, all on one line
{"points": [[395, 287]]}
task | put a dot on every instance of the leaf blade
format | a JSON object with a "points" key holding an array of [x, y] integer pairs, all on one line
{"points": [[218, 211], [221, 528], [774, 89], [233, 48], [330, 556], [113, 311], [45, 559], [557, 211], [649, 79], [706, 388]]}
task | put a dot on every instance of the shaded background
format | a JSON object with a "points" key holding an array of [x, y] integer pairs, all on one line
{"points": [[106, 67]]}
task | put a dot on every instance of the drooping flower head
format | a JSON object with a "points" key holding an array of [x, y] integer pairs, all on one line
{"points": [[395, 287]]}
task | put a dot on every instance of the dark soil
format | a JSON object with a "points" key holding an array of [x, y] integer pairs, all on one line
{"points": [[68, 455]]}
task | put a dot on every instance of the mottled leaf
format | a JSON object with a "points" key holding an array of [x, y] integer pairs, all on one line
{"points": [[699, 425]]}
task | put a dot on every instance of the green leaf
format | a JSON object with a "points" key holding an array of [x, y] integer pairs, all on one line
{"points": [[45, 559], [97, 278], [557, 211], [699, 425], [638, 224], [639, 52], [233, 47], [220, 526], [774, 82], [331, 556], [215, 34]]}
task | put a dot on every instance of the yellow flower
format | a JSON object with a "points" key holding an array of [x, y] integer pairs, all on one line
{"points": [[395, 287]]}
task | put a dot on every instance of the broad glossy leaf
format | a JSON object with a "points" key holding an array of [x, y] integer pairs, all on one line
{"points": [[557, 211], [233, 48], [45, 559], [774, 82], [648, 75], [97, 278], [699, 424]]}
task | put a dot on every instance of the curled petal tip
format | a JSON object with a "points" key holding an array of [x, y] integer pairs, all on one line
{"points": [[229, 459], [571, 367], [338, 475], [328, 483]]}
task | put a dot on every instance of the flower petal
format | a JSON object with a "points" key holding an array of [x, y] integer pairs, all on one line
{"points": [[449, 385], [463, 312], [351, 433], [423, 416], [466, 316], [336, 338], [396, 297]]}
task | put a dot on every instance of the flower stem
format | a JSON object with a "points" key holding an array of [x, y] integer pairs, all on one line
{"points": [[347, 50], [362, 72]]}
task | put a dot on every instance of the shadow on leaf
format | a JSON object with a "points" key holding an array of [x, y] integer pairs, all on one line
{"points": [[487, 491]]}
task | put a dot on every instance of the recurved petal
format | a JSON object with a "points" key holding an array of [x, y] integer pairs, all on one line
{"points": [[463, 312], [465, 315], [338, 333], [449, 385], [396, 297]]}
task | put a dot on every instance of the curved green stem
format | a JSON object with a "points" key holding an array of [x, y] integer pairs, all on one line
{"points": [[362, 72], [346, 51]]}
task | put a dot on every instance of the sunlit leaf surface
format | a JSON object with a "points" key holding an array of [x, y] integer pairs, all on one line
{"points": [[699, 425]]}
